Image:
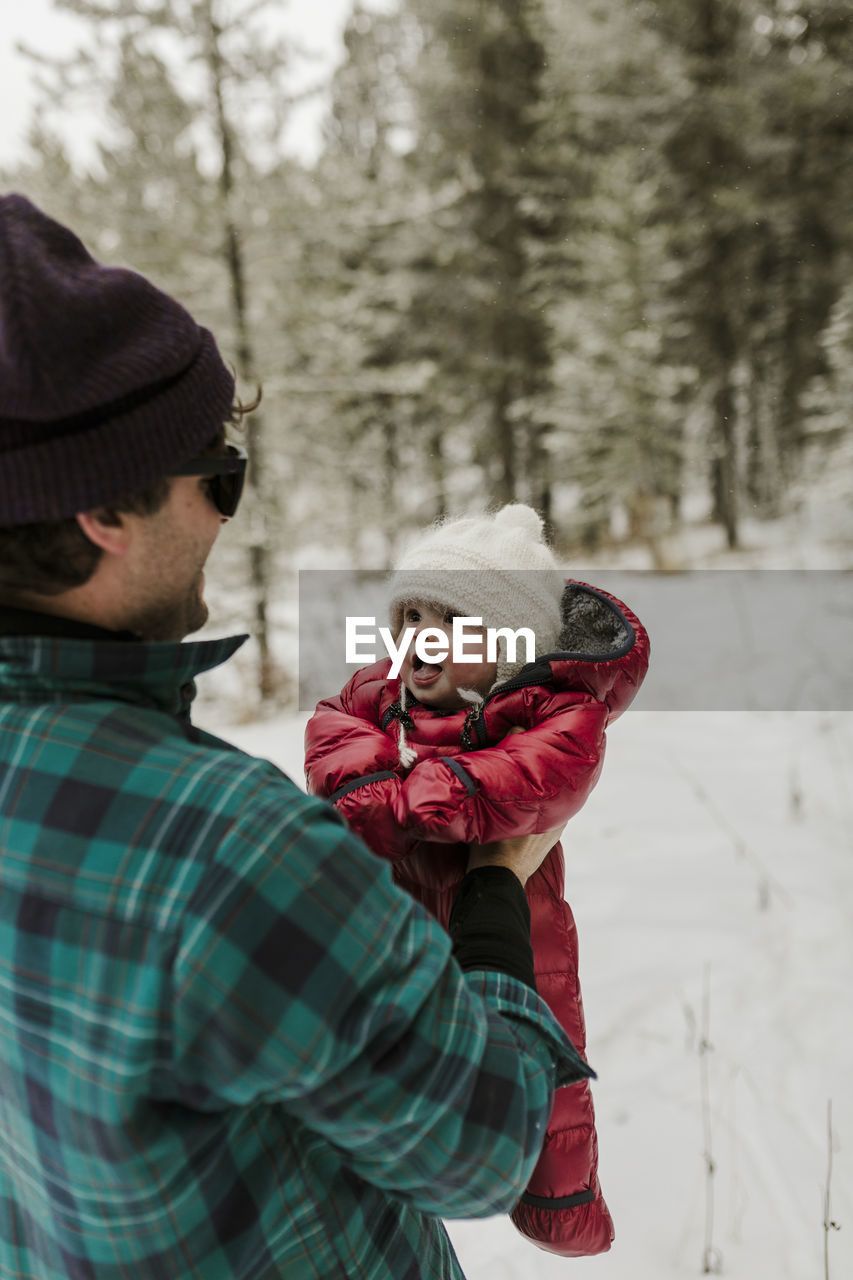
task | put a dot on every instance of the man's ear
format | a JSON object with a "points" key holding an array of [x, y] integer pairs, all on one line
{"points": [[106, 528]]}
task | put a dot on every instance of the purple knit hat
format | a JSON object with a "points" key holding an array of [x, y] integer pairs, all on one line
{"points": [[105, 381]]}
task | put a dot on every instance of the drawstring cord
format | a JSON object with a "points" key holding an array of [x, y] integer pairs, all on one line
{"points": [[476, 700], [397, 711], [405, 754]]}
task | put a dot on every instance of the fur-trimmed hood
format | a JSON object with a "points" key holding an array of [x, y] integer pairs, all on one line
{"points": [[603, 650]]}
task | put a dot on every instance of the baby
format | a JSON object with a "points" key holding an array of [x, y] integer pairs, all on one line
{"points": [[468, 749]]}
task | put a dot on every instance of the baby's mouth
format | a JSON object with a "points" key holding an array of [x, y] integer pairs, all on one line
{"points": [[424, 673]]}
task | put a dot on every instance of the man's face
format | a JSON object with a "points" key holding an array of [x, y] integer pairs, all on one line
{"points": [[437, 684], [166, 563]]}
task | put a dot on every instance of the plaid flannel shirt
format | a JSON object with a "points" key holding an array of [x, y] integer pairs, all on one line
{"points": [[231, 1047]]}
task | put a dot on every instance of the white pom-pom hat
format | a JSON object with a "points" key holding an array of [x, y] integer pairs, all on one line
{"points": [[496, 567]]}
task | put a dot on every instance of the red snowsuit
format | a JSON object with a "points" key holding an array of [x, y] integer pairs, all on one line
{"points": [[423, 819]]}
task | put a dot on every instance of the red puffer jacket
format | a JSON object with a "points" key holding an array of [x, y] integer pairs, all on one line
{"points": [[423, 818]]}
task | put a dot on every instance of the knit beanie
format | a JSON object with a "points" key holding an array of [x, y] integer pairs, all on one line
{"points": [[495, 567], [105, 381]]}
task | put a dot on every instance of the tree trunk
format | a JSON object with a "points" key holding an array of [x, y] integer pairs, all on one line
{"points": [[503, 435], [438, 472], [389, 498], [725, 472], [539, 472], [765, 477], [259, 560]]}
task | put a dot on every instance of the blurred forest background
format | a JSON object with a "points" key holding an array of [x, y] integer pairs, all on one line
{"points": [[596, 255]]}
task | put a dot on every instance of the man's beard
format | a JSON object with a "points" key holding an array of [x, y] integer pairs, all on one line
{"points": [[171, 620]]}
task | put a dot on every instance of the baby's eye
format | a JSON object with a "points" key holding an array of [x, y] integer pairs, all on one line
{"points": [[412, 615]]}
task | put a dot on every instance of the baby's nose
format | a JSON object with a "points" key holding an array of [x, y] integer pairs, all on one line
{"points": [[433, 627]]}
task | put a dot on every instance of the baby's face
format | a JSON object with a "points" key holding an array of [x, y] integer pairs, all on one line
{"points": [[437, 684]]}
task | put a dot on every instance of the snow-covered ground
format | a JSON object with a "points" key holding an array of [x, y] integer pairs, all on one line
{"points": [[716, 853]]}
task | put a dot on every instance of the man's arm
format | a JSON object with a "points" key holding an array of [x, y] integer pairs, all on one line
{"points": [[306, 979], [490, 920]]}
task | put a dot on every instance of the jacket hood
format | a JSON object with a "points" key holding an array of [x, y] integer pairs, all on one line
{"points": [[603, 650]]}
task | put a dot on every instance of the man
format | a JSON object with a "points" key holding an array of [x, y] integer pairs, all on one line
{"points": [[231, 1047]]}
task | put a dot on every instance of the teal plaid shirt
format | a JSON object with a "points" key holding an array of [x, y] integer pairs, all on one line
{"points": [[231, 1047]]}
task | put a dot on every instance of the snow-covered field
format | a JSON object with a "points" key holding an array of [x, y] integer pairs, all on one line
{"points": [[715, 854]]}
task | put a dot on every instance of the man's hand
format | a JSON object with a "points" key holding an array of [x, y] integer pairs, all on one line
{"points": [[522, 854]]}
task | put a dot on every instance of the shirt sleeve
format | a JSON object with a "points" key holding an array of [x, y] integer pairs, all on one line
{"points": [[490, 924], [304, 978]]}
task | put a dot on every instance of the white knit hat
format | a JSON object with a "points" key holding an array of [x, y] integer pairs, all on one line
{"points": [[496, 567]]}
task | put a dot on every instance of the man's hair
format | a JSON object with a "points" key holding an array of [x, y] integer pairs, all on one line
{"points": [[53, 556]]}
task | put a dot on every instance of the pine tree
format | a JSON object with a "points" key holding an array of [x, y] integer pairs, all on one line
{"points": [[714, 240], [802, 56], [620, 393], [759, 156], [475, 313], [360, 250], [178, 178], [828, 434]]}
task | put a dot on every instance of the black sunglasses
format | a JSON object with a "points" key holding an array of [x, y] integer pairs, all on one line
{"points": [[226, 474]]}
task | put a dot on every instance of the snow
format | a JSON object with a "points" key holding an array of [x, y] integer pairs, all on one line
{"points": [[717, 848]]}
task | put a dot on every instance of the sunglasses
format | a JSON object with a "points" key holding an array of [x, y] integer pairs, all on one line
{"points": [[225, 474]]}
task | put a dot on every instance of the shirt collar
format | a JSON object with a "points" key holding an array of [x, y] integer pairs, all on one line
{"points": [[28, 622], [43, 656]]}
